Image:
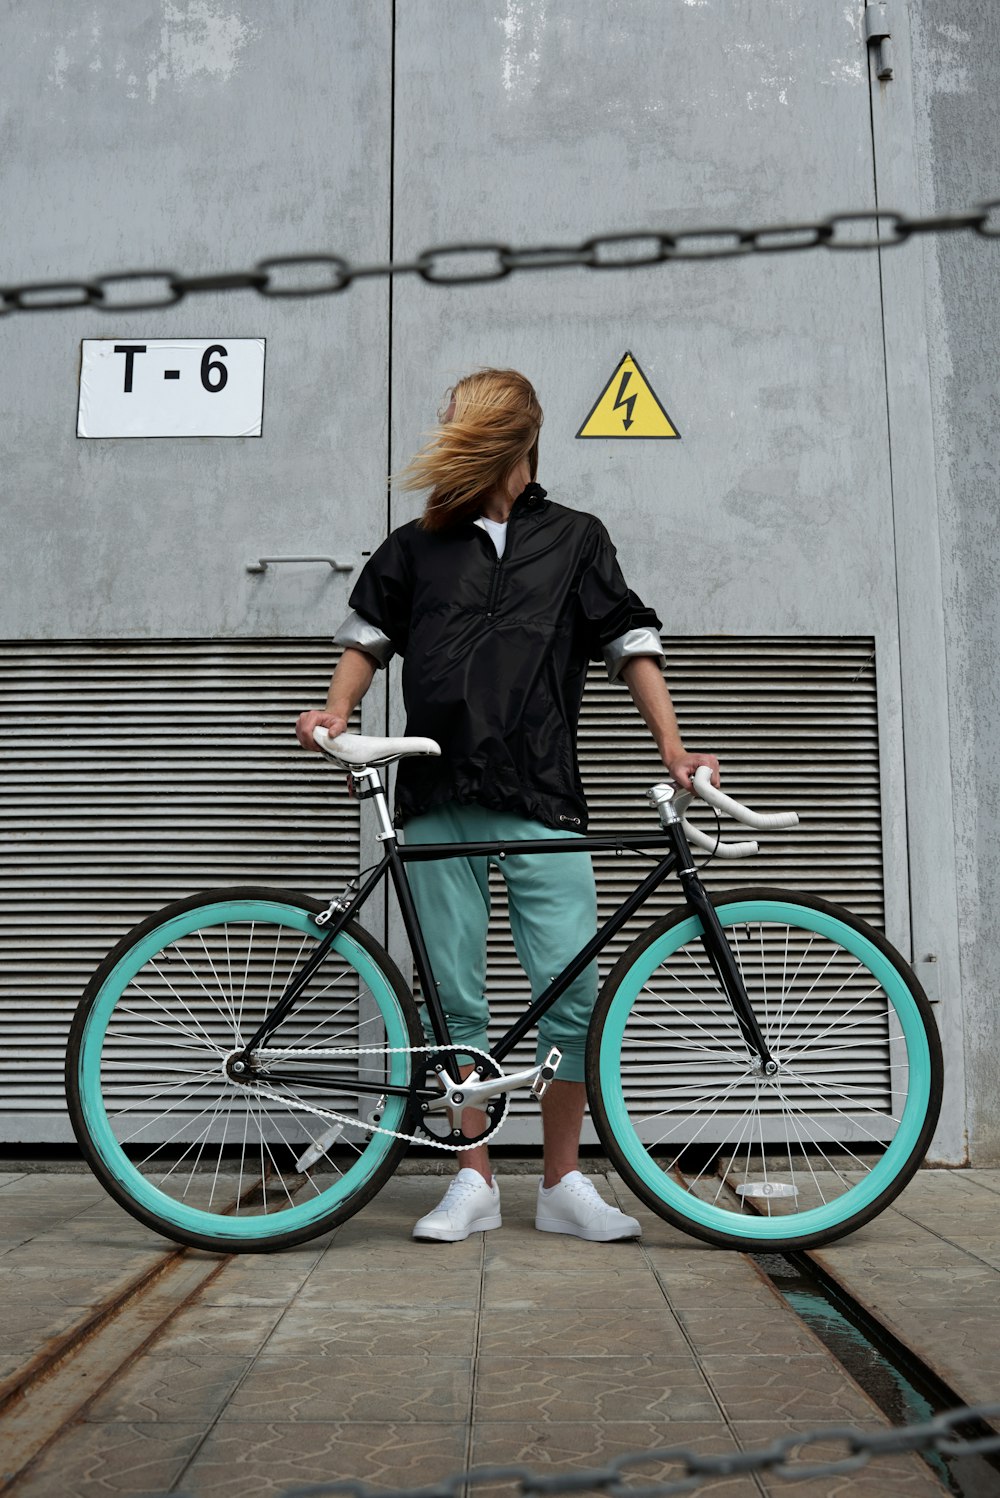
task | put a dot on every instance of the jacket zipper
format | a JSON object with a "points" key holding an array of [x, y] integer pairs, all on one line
{"points": [[491, 596], [494, 585]]}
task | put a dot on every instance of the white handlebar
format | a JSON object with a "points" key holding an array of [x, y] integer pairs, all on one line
{"points": [[763, 820], [716, 845], [707, 791]]}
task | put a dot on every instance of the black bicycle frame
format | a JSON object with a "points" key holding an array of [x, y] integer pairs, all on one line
{"points": [[677, 856]]}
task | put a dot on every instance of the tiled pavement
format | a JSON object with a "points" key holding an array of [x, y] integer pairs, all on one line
{"points": [[366, 1355]]}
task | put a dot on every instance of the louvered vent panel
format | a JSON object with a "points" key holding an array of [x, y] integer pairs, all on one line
{"points": [[134, 774], [794, 724]]}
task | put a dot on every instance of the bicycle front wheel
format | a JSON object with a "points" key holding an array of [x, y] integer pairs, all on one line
{"points": [[240, 1165], [742, 1159]]}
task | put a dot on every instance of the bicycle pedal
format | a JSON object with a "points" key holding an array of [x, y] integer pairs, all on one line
{"points": [[546, 1072]]}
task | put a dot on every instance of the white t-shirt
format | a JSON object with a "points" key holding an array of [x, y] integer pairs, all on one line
{"points": [[497, 529]]}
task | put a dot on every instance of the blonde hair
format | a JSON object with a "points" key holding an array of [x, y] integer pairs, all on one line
{"points": [[495, 426]]}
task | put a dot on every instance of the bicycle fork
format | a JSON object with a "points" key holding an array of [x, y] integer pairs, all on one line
{"points": [[717, 948]]}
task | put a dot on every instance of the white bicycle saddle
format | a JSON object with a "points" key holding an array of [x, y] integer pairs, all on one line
{"points": [[355, 750]]}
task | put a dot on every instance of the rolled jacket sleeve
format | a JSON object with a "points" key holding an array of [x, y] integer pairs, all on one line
{"points": [[382, 601], [620, 625], [358, 632], [634, 642]]}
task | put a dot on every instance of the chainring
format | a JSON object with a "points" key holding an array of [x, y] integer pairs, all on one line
{"points": [[439, 1128]]}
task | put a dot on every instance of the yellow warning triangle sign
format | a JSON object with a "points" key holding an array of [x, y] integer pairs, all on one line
{"points": [[628, 407]]}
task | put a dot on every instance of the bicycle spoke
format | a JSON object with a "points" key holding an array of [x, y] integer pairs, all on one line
{"points": [[836, 1025], [806, 1082], [197, 1161], [790, 1118], [185, 1123], [148, 1097], [732, 1159], [195, 1045], [665, 1003], [213, 1045], [704, 1125]]}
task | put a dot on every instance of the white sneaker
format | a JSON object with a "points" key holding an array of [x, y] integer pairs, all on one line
{"points": [[468, 1206], [573, 1206]]}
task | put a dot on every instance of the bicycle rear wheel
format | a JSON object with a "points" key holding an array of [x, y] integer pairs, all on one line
{"points": [[193, 1153], [749, 1161]]}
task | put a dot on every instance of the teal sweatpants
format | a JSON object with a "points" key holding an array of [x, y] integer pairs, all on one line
{"points": [[553, 913]]}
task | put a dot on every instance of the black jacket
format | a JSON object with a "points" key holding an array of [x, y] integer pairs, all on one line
{"points": [[495, 653]]}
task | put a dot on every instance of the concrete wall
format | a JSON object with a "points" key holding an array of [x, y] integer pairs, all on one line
{"points": [[956, 82], [838, 465], [195, 136]]}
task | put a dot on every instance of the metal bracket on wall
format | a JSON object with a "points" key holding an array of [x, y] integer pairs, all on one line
{"points": [[262, 563], [877, 34]]}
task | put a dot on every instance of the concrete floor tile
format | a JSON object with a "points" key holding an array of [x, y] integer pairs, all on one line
{"points": [[258, 1281], [9, 1244], [989, 1180], [309, 1330], [267, 1458], [396, 1251], [33, 1224], [26, 1325], [576, 1389], [962, 1219], [93, 1461], [746, 1332], [176, 1389], [405, 1258], [378, 1289], [733, 1289], [41, 1189], [20, 1282], [948, 1300], [557, 1253], [509, 1290], [923, 1253], [352, 1388], [984, 1249], [577, 1333], [205, 1329], [801, 1389], [551, 1449], [896, 1476]]}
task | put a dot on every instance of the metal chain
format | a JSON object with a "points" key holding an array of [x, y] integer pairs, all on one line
{"points": [[617, 1479], [376, 1050], [466, 263]]}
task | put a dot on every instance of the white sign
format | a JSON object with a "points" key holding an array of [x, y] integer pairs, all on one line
{"points": [[171, 387]]}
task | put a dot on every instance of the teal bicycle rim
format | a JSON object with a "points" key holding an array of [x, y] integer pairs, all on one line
{"points": [[131, 1180], [751, 1225]]}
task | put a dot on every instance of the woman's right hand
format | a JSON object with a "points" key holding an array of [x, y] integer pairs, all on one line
{"points": [[336, 723]]}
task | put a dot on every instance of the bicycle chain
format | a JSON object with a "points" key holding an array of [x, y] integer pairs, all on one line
{"points": [[380, 1050]]}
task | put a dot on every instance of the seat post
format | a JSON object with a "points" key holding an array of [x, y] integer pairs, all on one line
{"points": [[369, 776]]}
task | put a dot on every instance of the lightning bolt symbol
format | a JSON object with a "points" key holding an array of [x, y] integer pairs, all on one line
{"points": [[628, 404]]}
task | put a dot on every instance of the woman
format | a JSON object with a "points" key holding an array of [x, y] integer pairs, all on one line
{"points": [[497, 598]]}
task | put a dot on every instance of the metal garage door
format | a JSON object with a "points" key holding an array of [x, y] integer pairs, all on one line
{"points": [[136, 774], [794, 723]]}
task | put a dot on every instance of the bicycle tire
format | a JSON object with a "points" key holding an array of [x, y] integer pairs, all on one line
{"points": [[183, 1147], [842, 1126]]}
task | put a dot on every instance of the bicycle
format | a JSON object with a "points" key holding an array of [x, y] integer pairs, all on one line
{"points": [[247, 1066]]}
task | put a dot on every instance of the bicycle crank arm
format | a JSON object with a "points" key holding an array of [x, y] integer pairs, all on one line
{"points": [[469, 1094]]}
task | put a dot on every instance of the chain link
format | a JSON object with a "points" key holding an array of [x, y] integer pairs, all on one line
{"points": [[473, 263], [861, 1447]]}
